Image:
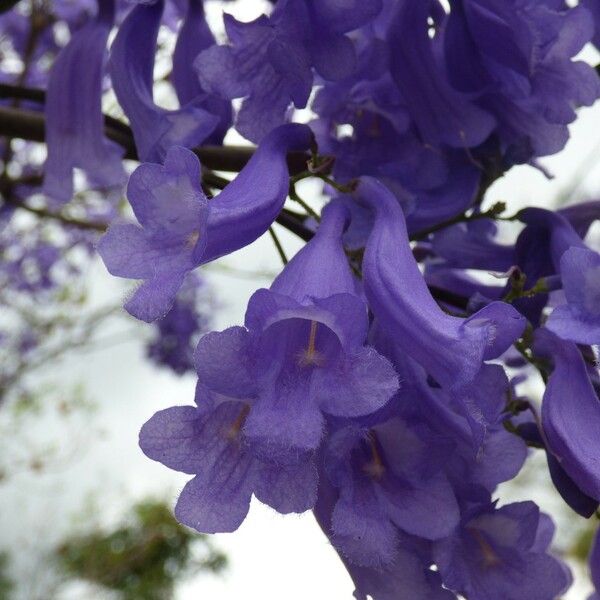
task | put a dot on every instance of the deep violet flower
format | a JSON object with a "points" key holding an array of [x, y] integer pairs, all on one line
{"points": [[269, 61], [441, 114], [407, 576], [579, 319]]}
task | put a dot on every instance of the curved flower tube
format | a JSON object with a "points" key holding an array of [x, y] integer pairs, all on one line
{"points": [[441, 114], [74, 119], [155, 129], [194, 37], [580, 502], [451, 349], [180, 229], [571, 413]]}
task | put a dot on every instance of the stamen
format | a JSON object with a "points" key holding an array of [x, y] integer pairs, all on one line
{"points": [[233, 431], [311, 356], [375, 468], [193, 238], [490, 558]]}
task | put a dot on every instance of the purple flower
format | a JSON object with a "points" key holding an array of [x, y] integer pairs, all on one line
{"points": [[442, 115], [571, 413], [582, 215], [579, 319], [594, 7], [155, 129], [301, 355], [451, 349], [209, 443], [171, 238], [469, 469], [550, 245], [526, 78], [181, 230], [432, 185], [502, 554], [266, 63], [387, 478], [408, 576], [580, 502], [75, 123], [194, 37], [472, 246], [269, 61]]}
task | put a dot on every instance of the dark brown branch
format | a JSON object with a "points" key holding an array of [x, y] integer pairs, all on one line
{"points": [[30, 125]]}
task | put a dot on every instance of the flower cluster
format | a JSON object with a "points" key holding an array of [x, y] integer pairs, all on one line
{"points": [[378, 380]]}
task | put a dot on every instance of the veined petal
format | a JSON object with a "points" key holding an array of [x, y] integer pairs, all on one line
{"points": [[284, 424], [224, 362], [360, 384], [578, 320], [287, 488], [362, 531], [178, 438], [217, 502], [155, 296], [169, 197], [126, 251], [208, 444]]}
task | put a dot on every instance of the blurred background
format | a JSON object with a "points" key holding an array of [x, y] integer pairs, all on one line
{"points": [[83, 514]]}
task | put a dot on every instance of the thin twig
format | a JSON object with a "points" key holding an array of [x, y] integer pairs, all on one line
{"points": [[278, 245]]}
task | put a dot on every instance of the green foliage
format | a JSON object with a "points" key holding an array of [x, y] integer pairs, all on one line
{"points": [[142, 559], [6, 585]]}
